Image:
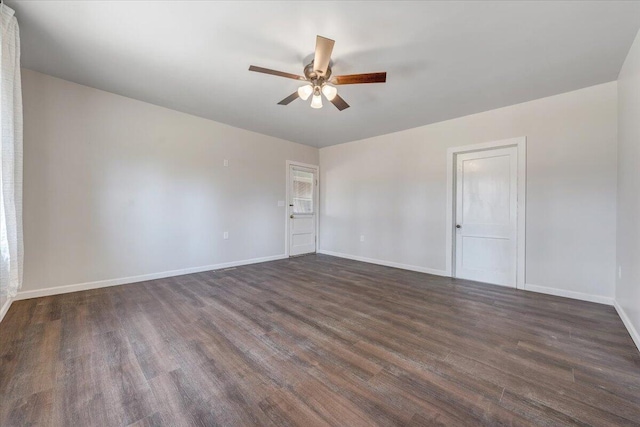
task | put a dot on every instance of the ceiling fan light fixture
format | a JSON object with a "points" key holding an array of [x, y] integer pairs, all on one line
{"points": [[316, 101], [305, 91], [329, 91]]}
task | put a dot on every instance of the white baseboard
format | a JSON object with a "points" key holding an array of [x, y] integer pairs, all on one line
{"points": [[627, 323], [133, 279], [387, 263], [569, 294], [5, 308]]}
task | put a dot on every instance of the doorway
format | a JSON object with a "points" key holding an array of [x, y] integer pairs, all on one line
{"points": [[302, 211], [486, 211]]}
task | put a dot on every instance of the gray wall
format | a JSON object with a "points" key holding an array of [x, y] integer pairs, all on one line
{"points": [[115, 188], [392, 189], [628, 285]]}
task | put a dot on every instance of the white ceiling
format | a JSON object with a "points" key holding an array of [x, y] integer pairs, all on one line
{"points": [[444, 59]]}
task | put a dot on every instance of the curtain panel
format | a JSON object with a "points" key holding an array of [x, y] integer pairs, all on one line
{"points": [[11, 243]]}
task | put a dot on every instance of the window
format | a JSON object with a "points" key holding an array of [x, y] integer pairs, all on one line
{"points": [[302, 192]]}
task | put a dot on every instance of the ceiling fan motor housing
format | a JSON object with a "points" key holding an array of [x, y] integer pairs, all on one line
{"points": [[312, 75]]}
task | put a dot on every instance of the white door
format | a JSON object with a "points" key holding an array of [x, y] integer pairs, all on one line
{"points": [[486, 216], [302, 210]]}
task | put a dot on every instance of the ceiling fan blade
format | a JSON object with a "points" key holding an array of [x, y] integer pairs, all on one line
{"points": [[324, 47], [340, 103], [352, 79], [276, 73], [289, 99]]}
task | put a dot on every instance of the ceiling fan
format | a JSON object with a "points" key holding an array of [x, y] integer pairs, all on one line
{"points": [[318, 80]]}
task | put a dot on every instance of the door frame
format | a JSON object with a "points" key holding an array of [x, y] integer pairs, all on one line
{"points": [[521, 144], [316, 199]]}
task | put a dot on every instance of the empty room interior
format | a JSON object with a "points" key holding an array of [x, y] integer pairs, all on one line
{"points": [[314, 213]]}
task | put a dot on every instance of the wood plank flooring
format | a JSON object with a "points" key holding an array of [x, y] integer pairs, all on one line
{"points": [[315, 341]]}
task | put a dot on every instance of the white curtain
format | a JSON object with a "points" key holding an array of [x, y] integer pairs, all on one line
{"points": [[11, 246]]}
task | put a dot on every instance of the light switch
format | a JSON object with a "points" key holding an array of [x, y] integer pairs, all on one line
{"points": [[225, 235], [280, 203], [226, 162], [362, 238]]}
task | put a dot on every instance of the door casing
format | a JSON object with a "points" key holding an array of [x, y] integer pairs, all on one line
{"points": [[521, 144]]}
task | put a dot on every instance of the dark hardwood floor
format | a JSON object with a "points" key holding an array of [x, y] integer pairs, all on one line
{"points": [[315, 340]]}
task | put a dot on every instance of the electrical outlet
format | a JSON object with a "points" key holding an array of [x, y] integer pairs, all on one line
{"points": [[226, 162], [225, 235], [619, 272], [362, 237]]}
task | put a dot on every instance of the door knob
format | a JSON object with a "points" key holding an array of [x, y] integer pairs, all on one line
{"points": [[458, 226], [291, 216]]}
